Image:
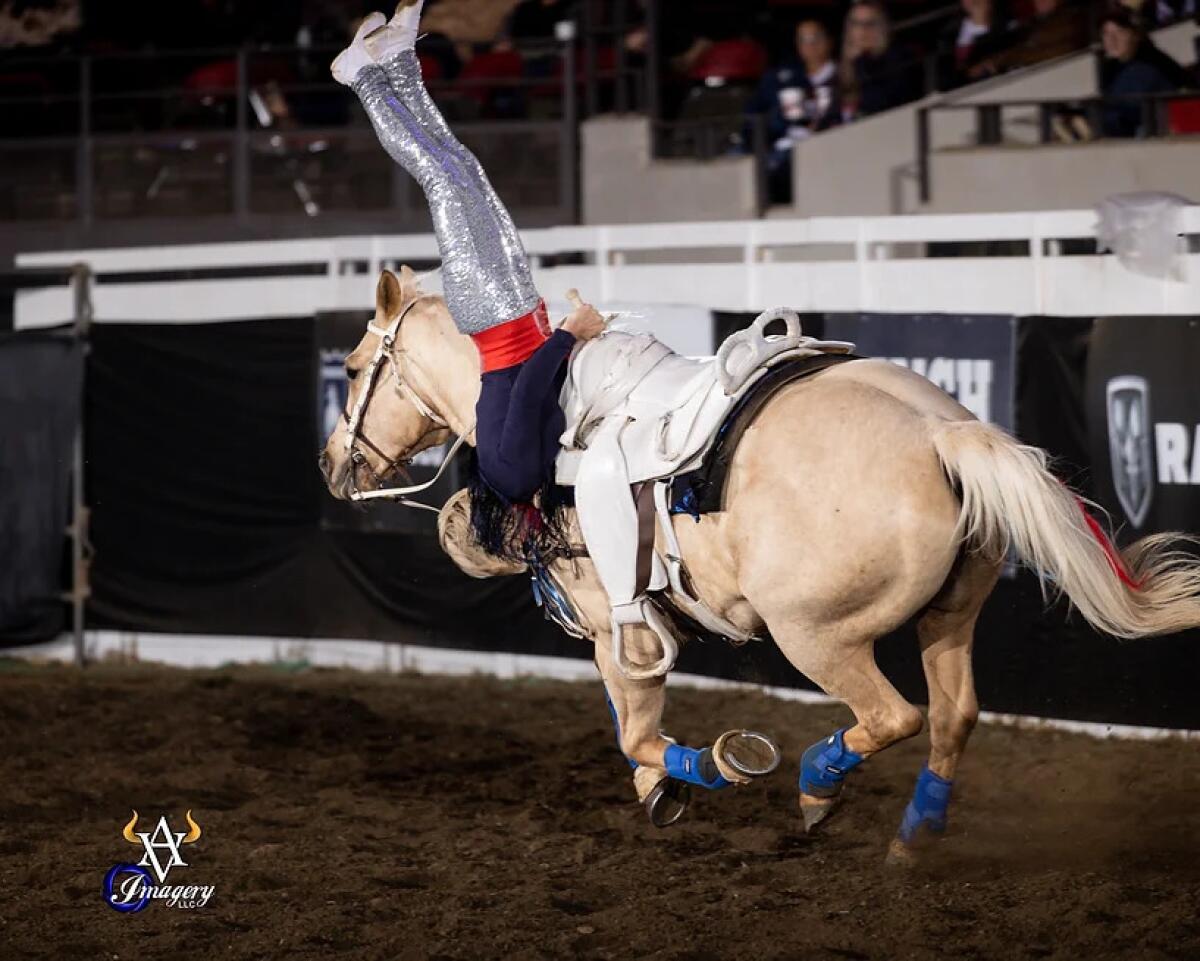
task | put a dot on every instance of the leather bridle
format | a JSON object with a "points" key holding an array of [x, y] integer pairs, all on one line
{"points": [[389, 350]]}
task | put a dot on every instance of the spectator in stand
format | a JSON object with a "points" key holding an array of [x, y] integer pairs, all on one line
{"points": [[875, 75], [1159, 13], [687, 29], [537, 19], [1058, 27], [969, 39], [37, 23], [533, 22], [1133, 65], [797, 99]]}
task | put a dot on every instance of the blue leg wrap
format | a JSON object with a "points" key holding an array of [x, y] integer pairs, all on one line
{"points": [[928, 806], [824, 765], [617, 727], [694, 766]]}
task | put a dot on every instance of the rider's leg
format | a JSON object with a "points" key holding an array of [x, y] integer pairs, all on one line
{"points": [[485, 274], [393, 51]]}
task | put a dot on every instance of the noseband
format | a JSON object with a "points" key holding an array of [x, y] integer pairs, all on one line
{"points": [[389, 350]]}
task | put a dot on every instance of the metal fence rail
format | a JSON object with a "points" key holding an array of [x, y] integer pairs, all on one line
{"points": [[991, 118]]}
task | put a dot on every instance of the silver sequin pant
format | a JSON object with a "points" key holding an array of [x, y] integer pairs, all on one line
{"points": [[485, 274]]}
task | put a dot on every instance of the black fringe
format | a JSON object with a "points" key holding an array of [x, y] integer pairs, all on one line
{"points": [[519, 532]]}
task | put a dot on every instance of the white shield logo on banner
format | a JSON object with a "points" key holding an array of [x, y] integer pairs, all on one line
{"points": [[1129, 445]]}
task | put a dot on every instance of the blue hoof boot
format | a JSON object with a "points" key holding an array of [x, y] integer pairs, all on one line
{"points": [[927, 809], [694, 767], [824, 766]]}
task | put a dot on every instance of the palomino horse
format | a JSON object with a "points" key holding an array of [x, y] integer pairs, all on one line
{"points": [[858, 499]]}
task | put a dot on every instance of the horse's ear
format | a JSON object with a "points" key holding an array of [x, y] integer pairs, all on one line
{"points": [[388, 295], [408, 281]]}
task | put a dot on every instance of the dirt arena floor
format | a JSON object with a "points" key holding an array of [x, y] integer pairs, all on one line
{"points": [[397, 817]]}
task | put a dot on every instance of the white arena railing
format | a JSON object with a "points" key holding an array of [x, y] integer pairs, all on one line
{"points": [[820, 264]]}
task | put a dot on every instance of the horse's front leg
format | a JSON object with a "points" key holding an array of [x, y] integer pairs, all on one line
{"points": [[637, 708], [664, 769]]}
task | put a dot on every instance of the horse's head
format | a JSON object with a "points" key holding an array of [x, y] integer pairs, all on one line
{"points": [[412, 378]]}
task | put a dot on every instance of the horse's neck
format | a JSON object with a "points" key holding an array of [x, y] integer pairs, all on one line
{"points": [[457, 371]]}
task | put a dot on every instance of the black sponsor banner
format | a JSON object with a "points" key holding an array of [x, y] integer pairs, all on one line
{"points": [[209, 516], [1052, 357], [1143, 406], [337, 334], [41, 376], [972, 358], [207, 505]]}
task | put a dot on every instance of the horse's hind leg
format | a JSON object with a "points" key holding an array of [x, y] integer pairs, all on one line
{"points": [[946, 632], [846, 670]]}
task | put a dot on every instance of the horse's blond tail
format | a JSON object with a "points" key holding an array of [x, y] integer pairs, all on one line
{"points": [[1010, 499]]}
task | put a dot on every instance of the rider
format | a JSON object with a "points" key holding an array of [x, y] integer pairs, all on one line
{"points": [[488, 286], [490, 294]]}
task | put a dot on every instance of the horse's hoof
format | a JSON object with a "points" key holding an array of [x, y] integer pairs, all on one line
{"points": [[814, 810], [743, 755], [900, 855], [667, 801]]}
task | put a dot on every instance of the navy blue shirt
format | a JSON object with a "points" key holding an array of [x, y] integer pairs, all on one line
{"points": [[519, 420]]}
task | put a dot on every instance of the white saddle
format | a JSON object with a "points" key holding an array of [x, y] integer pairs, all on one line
{"points": [[636, 411], [670, 406]]}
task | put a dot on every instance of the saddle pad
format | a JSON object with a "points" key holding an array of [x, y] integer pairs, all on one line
{"points": [[703, 490]]}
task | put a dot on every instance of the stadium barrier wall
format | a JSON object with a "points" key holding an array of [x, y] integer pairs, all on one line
{"points": [[208, 517]]}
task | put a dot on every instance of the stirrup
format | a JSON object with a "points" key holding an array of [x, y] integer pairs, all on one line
{"points": [[641, 611]]}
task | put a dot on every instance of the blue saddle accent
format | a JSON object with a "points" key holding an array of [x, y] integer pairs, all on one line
{"points": [[685, 502], [617, 727], [927, 807], [694, 766], [554, 602], [824, 766]]}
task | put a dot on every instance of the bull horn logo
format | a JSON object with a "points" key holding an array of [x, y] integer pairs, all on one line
{"points": [[193, 834], [191, 837]]}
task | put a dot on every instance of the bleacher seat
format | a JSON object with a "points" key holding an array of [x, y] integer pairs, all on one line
{"points": [[1183, 116], [730, 60], [431, 68]]}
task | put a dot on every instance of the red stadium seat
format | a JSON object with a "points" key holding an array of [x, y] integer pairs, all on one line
{"points": [[485, 71], [1183, 116], [219, 75], [222, 74], [731, 60], [431, 68]]}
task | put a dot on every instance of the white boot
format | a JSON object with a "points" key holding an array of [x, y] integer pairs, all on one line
{"points": [[609, 521], [400, 33], [350, 61]]}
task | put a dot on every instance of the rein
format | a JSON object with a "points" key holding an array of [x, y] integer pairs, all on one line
{"points": [[389, 350]]}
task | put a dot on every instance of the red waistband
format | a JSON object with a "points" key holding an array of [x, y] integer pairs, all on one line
{"points": [[513, 342]]}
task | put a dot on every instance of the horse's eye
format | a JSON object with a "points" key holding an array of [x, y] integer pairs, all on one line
{"points": [[351, 373]]}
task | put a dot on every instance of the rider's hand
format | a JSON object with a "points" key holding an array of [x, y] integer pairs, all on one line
{"points": [[585, 321]]}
